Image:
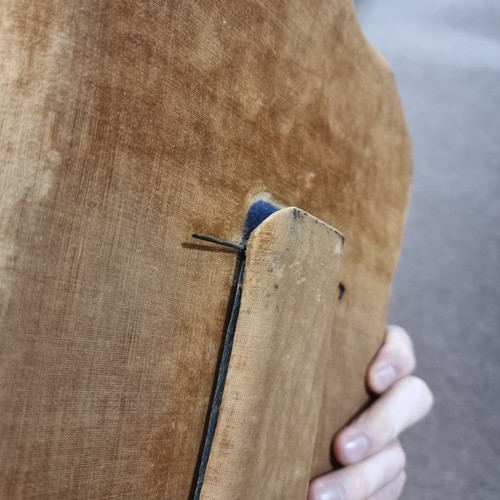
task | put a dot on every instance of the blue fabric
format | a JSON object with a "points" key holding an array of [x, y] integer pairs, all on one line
{"points": [[257, 213]]}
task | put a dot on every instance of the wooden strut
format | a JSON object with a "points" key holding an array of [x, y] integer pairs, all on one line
{"points": [[282, 315], [223, 365]]}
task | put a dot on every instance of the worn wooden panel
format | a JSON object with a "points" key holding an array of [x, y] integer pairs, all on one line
{"points": [[124, 127], [272, 398]]}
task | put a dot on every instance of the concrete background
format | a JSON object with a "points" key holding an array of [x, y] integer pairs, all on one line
{"points": [[446, 59]]}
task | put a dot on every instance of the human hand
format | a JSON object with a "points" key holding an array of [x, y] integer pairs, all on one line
{"points": [[368, 447]]}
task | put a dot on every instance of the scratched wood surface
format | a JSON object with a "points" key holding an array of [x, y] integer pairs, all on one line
{"points": [[126, 126], [269, 414]]}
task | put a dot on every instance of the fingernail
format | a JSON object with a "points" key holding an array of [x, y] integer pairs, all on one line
{"points": [[385, 377], [329, 491], [356, 448]]}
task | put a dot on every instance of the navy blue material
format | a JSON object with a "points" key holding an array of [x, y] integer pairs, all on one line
{"points": [[257, 213]]}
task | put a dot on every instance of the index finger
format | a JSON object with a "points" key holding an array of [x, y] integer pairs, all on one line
{"points": [[404, 404], [394, 360]]}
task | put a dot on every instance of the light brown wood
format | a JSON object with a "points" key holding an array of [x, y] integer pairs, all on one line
{"points": [[264, 440]]}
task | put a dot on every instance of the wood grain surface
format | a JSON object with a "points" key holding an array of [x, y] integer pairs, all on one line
{"points": [[264, 441]]}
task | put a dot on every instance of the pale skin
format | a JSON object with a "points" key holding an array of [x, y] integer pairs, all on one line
{"points": [[368, 448]]}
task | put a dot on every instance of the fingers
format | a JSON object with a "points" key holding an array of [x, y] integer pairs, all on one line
{"points": [[394, 360], [392, 490], [368, 447], [362, 480], [404, 404]]}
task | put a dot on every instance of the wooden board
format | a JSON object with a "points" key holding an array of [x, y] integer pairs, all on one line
{"points": [[272, 398], [127, 126]]}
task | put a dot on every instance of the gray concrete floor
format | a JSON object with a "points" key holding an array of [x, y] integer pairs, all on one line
{"points": [[446, 58]]}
